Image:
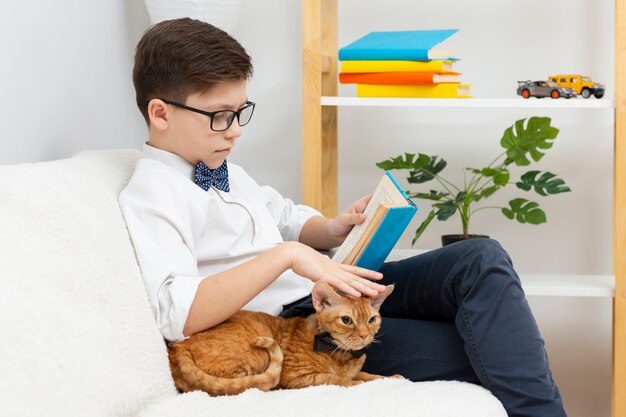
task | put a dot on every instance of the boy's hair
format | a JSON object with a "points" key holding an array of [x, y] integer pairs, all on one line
{"points": [[179, 57]]}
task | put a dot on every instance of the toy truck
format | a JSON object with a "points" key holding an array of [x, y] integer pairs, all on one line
{"points": [[582, 84]]}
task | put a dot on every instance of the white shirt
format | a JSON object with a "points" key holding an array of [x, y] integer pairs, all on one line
{"points": [[183, 234]]}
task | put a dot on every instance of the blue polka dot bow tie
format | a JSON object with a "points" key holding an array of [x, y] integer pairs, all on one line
{"points": [[218, 177]]}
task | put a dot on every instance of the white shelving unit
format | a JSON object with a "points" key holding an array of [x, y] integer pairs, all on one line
{"points": [[320, 171], [559, 285]]}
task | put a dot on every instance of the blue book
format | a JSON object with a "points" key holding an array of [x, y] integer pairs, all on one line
{"points": [[416, 45], [387, 215]]}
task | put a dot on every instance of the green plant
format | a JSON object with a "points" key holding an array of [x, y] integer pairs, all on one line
{"points": [[522, 144]]}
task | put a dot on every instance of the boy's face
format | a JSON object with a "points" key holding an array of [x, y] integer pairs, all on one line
{"points": [[189, 135]]}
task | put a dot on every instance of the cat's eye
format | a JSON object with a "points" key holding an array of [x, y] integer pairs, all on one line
{"points": [[346, 320], [372, 320]]}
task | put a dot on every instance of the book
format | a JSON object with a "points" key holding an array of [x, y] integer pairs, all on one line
{"points": [[395, 66], [408, 44], [387, 215], [422, 77], [417, 91]]}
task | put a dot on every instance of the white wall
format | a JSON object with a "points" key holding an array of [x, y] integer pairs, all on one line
{"points": [[65, 78], [65, 86]]}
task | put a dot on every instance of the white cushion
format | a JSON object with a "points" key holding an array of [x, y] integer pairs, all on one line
{"points": [[384, 398], [78, 336]]}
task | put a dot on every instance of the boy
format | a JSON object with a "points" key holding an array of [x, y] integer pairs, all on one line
{"points": [[210, 241]]}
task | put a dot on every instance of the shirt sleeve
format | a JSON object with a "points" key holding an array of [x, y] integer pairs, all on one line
{"points": [[162, 231], [289, 217]]}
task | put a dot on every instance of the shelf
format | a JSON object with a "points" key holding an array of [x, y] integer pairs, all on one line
{"points": [[568, 285], [547, 285], [520, 103]]}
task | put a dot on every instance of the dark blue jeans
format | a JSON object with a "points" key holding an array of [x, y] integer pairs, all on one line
{"points": [[459, 313]]}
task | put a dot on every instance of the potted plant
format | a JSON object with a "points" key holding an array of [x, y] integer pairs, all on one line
{"points": [[522, 143]]}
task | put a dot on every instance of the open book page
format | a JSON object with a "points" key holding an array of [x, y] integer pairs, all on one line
{"points": [[386, 192], [358, 249]]}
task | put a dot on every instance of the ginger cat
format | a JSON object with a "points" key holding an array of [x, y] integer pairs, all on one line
{"points": [[257, 350]]}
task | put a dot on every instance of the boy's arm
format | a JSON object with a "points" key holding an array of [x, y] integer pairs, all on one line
{"points": [[323, 233], [221, 295], [298, 222]]}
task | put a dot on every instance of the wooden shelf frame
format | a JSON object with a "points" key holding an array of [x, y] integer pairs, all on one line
{"points": [[319, 151]]}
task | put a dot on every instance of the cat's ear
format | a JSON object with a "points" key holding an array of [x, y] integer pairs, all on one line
{"points": [[378, 300], [324, 296]]}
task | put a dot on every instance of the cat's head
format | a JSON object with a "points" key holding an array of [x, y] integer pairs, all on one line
{"points": [[352, 322]]}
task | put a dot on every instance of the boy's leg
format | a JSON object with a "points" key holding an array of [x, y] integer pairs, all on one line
{"points": [[419, 350], [471, 289]]}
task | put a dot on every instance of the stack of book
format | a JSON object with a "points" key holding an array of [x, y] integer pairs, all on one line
{"points": [[402, 64]]}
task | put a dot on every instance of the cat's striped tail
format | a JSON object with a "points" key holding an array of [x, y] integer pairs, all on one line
{"points": [[196, 379]]}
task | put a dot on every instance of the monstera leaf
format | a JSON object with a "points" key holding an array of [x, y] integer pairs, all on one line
{"points": [[423, 226], [409, 161], [524, 211], [428, 171], [448, 207], [432, 195], [485, 192], [528, 141], [421, 168], [499, 175], [547, 183]]}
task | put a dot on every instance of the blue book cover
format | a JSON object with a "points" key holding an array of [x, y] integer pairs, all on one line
{"points": [[386, 237], [416, 45], [388, 213]]}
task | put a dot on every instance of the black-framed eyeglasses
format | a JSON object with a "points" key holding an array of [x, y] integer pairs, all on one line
{"points": [[222, 119]]}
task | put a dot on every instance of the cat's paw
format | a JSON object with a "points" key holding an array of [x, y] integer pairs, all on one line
{"points": [[397, 376]]}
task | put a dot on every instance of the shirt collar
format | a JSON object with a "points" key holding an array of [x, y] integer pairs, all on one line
{"points": [[172, 160]]}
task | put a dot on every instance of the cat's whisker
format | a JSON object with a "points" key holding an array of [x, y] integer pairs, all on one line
{"points": [[335, 350], [342, 346], [345, 346]]}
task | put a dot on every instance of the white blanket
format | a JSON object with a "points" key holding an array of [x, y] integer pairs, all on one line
{"points": [[78, 335], [382, 398]]}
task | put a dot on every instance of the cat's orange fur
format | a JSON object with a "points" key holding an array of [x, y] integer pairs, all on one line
{"points": [[257, 350]]}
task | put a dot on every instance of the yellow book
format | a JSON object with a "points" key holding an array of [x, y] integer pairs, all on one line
{"points": [[396, 66], [414, 90]]}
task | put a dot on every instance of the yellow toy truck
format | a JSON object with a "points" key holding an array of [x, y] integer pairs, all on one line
{"points": [[582, 84]]}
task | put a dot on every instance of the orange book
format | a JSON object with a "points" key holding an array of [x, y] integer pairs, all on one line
{"points": [[421, 77]]}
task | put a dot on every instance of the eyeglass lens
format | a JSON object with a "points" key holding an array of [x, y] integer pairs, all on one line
{"points": [[223, 119]]}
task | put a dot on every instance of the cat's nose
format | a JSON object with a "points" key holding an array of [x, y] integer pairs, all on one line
{"points": [[363, 336]]}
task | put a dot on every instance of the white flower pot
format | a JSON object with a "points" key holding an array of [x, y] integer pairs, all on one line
{"points": [[221, 13]]}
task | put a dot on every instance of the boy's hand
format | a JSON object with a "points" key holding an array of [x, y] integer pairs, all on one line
{"points": [[341, 225], [352, 280]]}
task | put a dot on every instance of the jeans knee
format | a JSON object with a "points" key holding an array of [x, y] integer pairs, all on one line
{"points": [[487, 258], [483, 246]]}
